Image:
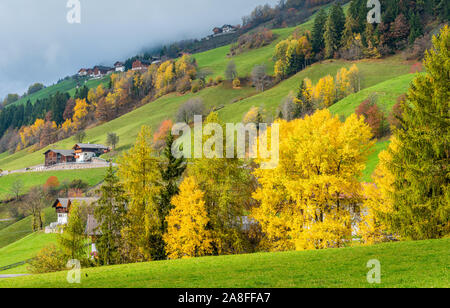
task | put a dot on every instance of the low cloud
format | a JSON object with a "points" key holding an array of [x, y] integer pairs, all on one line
{"points": [[37, 44]]}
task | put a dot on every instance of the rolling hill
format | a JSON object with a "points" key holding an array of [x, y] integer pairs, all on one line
{"points": [[30, 179], [68, 85], [22, 228], [403, 264], [24, 249]]}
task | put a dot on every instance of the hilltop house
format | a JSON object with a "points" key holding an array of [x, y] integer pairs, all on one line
{"points": [[119, 67], [100, 71], [225, 29], [140, 65], [83, 72], [96, 72]]}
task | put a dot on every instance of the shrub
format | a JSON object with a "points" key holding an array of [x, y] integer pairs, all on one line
{"points": [[373, 116], [236, 83], [49, 259]]}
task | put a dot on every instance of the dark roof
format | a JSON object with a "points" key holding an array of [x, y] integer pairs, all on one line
{"points": [[118, 63], [90, 146], [62, 152], [65, 201]]}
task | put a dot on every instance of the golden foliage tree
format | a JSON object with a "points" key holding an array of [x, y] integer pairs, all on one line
{"points": [[307, 201], [227, 186], [187, 235], [140, 176], [378, 201]]}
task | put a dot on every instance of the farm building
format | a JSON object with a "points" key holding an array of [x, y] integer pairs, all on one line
{"points": [[53, 157], [84, 152], [140, 65], [119, 67]]}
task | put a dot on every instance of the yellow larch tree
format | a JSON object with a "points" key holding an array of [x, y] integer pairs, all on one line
{"points": [[355, 78], [378, 203], [325, 92], [80, 111], [187, 235], [343, 86], [309, 199], [140, 176]]}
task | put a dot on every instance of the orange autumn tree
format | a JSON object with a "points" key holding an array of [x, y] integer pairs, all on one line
{"points": [[159, 138], [308, 200], [51, 183], [187, 235]]}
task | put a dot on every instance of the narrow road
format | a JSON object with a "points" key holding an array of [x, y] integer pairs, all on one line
{"points": [[12, 276]]}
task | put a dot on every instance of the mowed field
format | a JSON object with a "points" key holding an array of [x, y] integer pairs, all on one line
{"points": [[403, 264], [30, 179], [22, 228], [24, 249]]}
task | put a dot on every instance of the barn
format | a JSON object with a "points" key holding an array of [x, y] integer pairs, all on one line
{"points": [[53, 157]]}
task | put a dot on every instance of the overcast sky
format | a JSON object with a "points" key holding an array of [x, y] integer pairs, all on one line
{"points": [[37, 44]]}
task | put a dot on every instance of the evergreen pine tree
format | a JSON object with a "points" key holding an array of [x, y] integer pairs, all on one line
{"points": [[420, 164], [416, 29], [334, 28], [171, 171], [318, 43], [111, 217]]}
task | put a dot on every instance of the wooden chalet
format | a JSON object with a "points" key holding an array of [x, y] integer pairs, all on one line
{"points": [[53, 157], [63, 205]]}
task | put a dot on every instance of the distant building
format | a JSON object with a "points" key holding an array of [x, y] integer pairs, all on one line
{"points": [[100, 71], [83, 72], [140, 65], [53, 157], [119, 67], [225, 29], [84, 152], [80, 153]]}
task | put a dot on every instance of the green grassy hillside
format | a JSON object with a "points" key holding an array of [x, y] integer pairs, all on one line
{"points": [[373, 72], [22, 228], [128, 125], [68, 85], [30, 179], [24, 249], [217, 60], [403, 264], [387, 93]]}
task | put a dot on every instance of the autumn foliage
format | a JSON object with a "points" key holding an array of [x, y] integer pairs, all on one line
{"points": [[187, 234]]}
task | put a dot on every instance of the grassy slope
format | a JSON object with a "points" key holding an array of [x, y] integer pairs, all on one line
{"points": [[217, 60], [91, 176], [128, 125], [404, 264], [387, 93], [22, 228], [24, 249], [64, 86], [373, 72]]}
